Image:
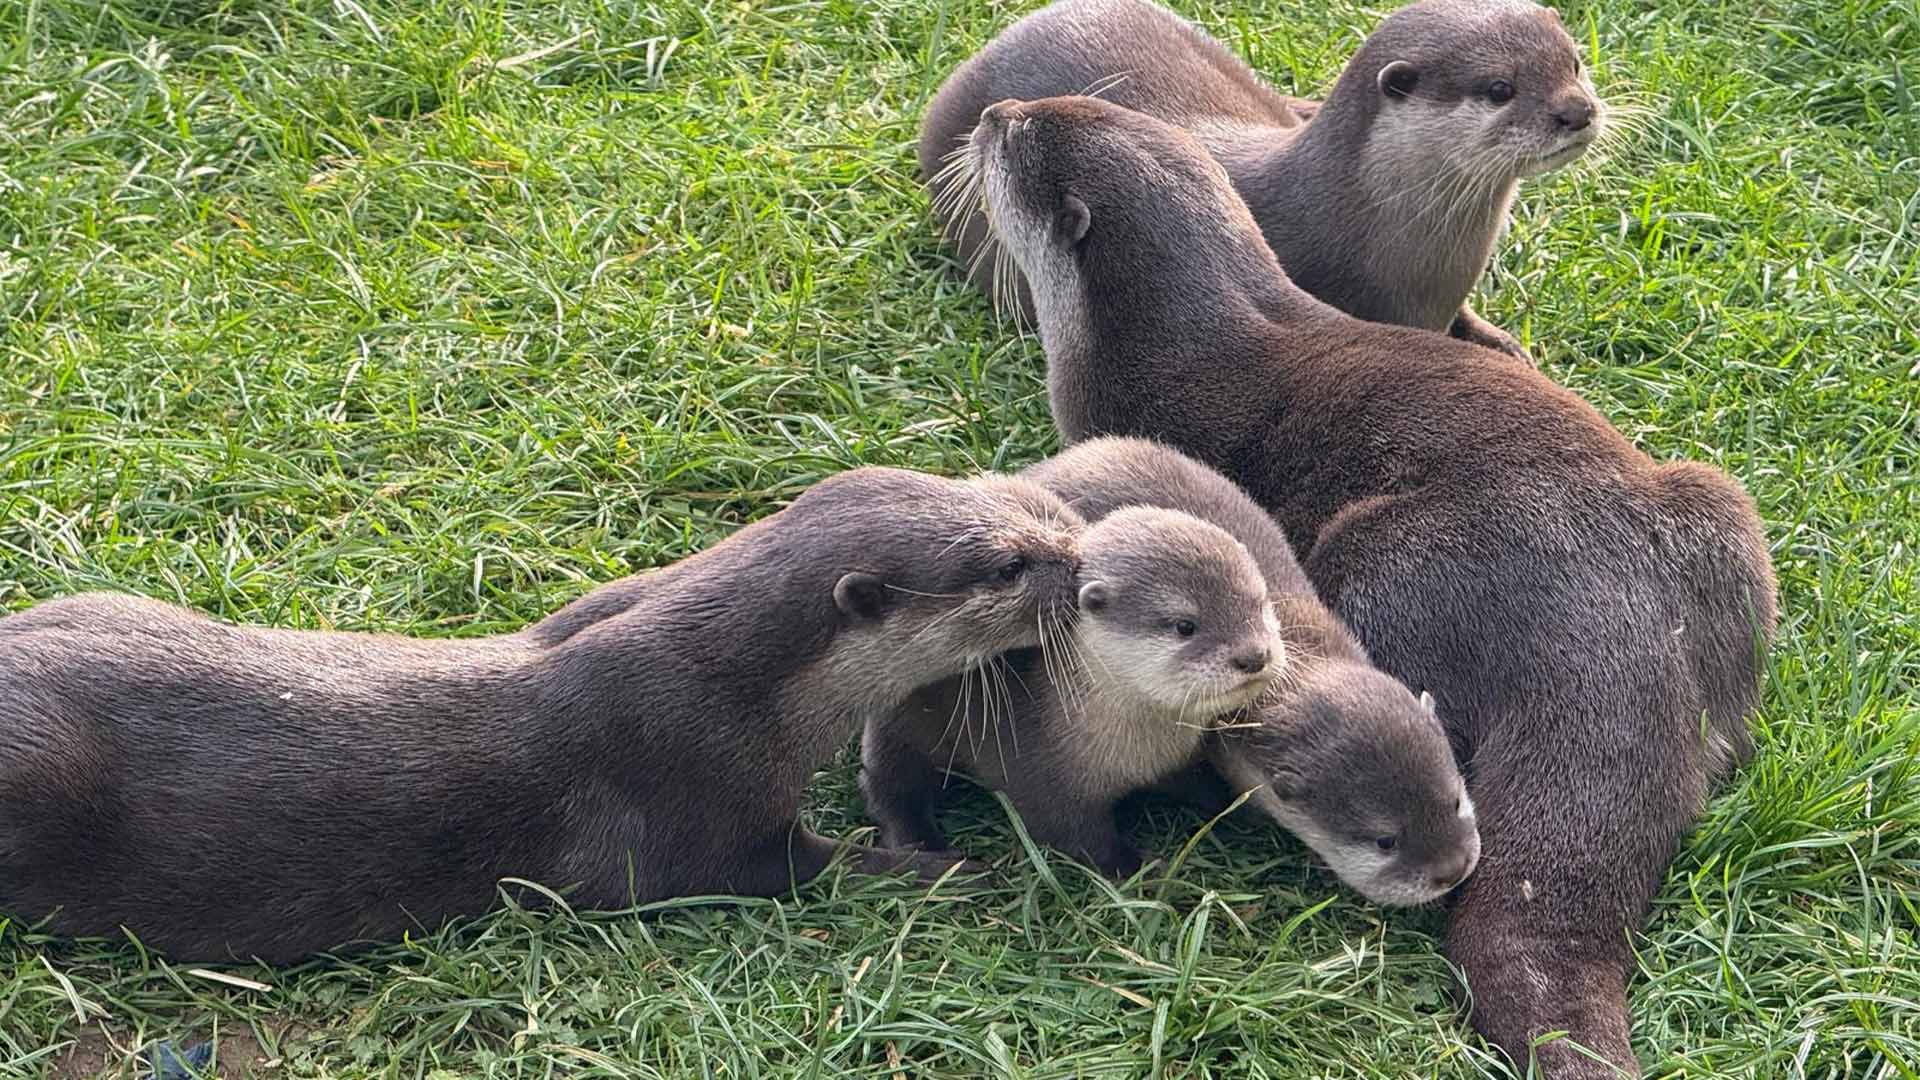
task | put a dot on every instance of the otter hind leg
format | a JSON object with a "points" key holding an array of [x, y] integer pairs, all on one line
{"points": [[1579, 822], [1585, 775]]}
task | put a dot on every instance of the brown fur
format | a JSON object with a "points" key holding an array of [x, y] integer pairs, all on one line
{"points": [[1340, 754], [1591, 622], [231, 791], [1387, 204]]}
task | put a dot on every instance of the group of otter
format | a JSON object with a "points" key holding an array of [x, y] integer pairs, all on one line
{"points": [[1490, 582]]}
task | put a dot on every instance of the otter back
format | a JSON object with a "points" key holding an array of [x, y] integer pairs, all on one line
{"points": [[1591, 623]]}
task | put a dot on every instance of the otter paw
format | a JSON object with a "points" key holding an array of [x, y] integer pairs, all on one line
{"points": [[931, 866], [911, 832], [1478, 331], [1121, 861]]}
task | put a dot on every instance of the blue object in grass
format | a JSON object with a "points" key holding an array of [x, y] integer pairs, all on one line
{"points": [[171, 1064]]}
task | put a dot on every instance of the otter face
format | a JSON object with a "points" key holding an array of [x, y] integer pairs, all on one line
{"points": [[1174, 610], [1503, 79], [1358, 768], [952, 572]]}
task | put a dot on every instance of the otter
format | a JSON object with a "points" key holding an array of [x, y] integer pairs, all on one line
{"points": [[1592, 624], [225, 791], [1385, 201], [1200, 655]]}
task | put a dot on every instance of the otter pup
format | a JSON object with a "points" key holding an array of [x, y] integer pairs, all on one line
{"points": [[1592, 623], [1199, 642], [1385, 201], [1174, 633], [236, 791]]}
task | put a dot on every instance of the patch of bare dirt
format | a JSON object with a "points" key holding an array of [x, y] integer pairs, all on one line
{"points": [[102, 1054]]}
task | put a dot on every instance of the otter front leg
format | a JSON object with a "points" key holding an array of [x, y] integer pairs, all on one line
{"points": [[1468, 326], [901, 785], [1078, 823], [1200, 787]]}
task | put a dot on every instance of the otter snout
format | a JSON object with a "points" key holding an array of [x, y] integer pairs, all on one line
{"points": [[1252, 661], [1575, 114], [1453, 871]]}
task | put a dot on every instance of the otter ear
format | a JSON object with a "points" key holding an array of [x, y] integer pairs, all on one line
{"points": [[1285, 787], [1073, 220], [1426, 701], [1398, 79], [1094, 595], [860, 596]]}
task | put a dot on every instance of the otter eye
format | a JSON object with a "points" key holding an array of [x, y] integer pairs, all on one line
{"points": [[1499, 91], [1384, 843], [1012, 570], [1185, 627]]}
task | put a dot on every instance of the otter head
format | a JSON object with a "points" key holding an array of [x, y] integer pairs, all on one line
{"points": [[1076, 183], [1173, 610], [1496, 87], [944, 574], [1353, 764]]}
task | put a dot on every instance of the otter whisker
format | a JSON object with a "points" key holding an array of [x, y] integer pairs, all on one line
{"points": [[935, 623], [1445, 192], [1105, 83], [961, 197], [1460, 197], [929, 595], [963, 713], [1001, 706], [967, 535], [1070, 682]]}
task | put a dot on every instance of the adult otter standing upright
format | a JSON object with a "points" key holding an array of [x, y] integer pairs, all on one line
{"points": [[1591, 623], [1386, 203], [239, 791]]}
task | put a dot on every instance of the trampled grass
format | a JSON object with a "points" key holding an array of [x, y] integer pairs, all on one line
{"points": [[425, 315]]}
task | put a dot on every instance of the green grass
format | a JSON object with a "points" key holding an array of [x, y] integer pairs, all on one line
{"points": [[426, 315]]}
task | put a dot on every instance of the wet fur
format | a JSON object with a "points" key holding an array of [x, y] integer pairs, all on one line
{"points": [[227, 791], [1374, 206], [1592, 623]]}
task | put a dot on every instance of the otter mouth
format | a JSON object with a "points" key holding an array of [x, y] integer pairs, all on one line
{"points": [[1538, 164], [1237, 697]]}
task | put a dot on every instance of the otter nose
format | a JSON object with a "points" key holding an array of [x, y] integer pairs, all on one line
{"points": [[1575, 116], [998, 113], [1253, 661], [1452, 872]]}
